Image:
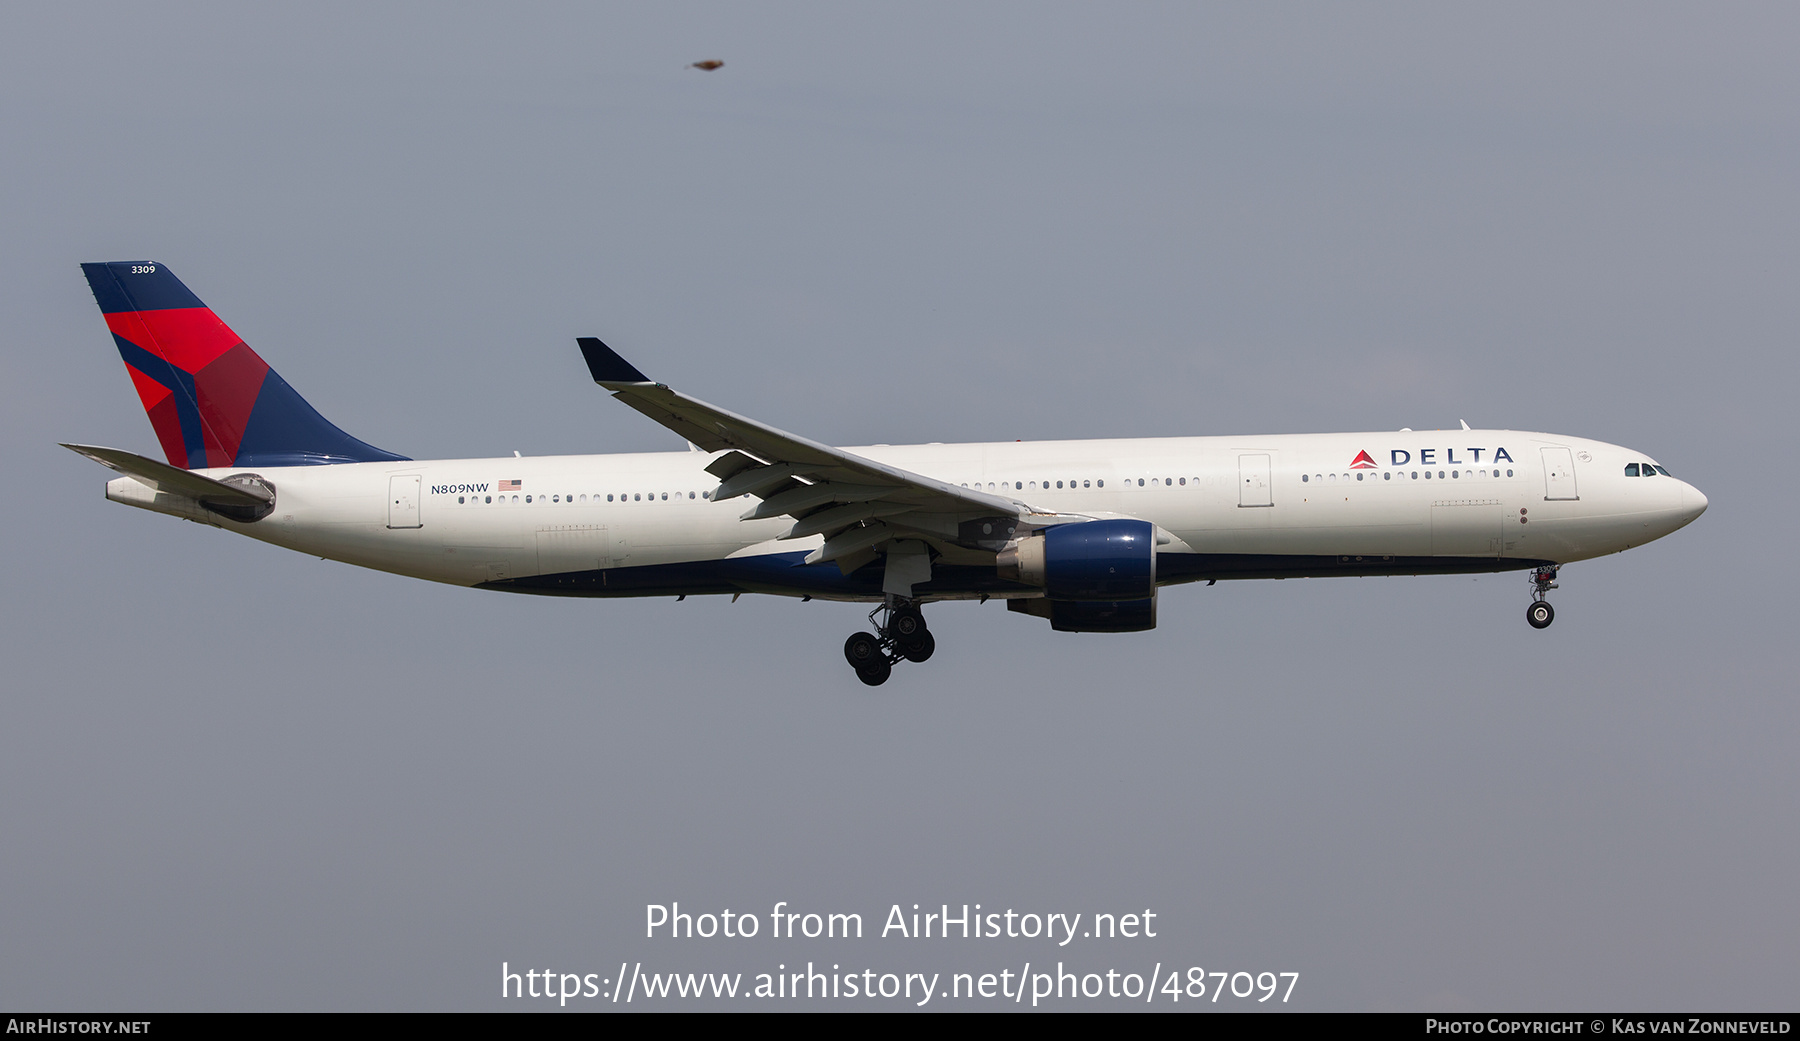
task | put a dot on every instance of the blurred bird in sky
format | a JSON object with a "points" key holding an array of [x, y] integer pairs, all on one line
{"points": [[708, 65]]}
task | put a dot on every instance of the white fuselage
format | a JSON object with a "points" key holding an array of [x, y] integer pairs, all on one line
{"points": [[1260, 506]]}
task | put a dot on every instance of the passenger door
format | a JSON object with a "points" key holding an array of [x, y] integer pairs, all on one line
{"points": [[1253, 481], [403, 501], [1559, 473]]}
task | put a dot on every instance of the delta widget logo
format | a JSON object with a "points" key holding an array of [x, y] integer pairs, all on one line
{"points": [[1363, 462]]}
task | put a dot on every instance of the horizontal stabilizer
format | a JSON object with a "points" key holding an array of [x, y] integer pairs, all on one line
{"points": [[174, 480]]}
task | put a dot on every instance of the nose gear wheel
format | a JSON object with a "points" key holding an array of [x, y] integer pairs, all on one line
{"points": [[1540, 614]]}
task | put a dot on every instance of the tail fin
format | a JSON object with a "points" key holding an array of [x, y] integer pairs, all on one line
{"points": [[211, 399]]}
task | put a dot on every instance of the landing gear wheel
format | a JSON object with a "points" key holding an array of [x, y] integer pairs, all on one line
{"points": [[862, 649], [921, 650], [1540, 614], [907, 626], [902, 636]]}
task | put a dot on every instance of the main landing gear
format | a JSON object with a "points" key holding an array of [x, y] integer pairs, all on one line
{"points": [[1540, 614], [903, 637]]}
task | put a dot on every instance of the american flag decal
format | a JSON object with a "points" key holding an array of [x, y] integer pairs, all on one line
{"points": [[511, 486]]}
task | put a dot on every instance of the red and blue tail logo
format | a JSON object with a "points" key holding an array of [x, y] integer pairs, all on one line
{"points": [[211, 399]]}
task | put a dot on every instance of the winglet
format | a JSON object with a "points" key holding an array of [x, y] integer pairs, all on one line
{"points": [[605, 363]]}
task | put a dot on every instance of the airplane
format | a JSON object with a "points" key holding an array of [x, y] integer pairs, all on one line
{"points": [[1083, 534]]}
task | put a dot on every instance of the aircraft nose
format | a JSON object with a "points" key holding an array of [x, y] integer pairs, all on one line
{"points": [[1693, 502]]}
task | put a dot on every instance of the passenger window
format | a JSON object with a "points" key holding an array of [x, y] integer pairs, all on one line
{"points": [[1099, 484], [1084, 484], [1184, 482], [1415, 475], [1303, 479], [1359, 477], [1387, 477], [1631, 469], [489, 499], [637, 497], [1140, 482], [1509, 473]]}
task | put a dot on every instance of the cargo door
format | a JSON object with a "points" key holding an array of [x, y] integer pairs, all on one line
{"points": [[1253, 481], [1467, 528], [570, 548], [403, 501], [1559, 473]]}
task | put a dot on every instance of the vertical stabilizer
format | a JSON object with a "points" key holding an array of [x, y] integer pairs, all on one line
{"points": [[210, 398]]}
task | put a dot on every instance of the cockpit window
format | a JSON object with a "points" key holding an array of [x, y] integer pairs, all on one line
{"points": [[1664, 471], [1631, 469]]}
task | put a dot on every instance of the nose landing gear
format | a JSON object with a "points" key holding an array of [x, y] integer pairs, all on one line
{"points": [[1540, 614], [902, 637]]}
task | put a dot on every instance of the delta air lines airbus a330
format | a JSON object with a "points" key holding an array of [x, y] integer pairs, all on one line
{"points": [[1083, 534]]}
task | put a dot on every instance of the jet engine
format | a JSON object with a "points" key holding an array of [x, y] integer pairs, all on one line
{"points": [[1103, 560]]}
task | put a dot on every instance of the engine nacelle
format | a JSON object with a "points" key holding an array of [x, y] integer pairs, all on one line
{"points": [[1091, 616], [1106, 560]]}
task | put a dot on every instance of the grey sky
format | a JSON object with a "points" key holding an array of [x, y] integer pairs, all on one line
{"points": [[233, 777]]}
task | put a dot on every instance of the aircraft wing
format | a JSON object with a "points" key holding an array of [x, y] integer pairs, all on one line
{"points": [[857, 504]]}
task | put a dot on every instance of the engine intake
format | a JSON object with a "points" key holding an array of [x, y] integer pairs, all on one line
{"points": [[1107, 560]]}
